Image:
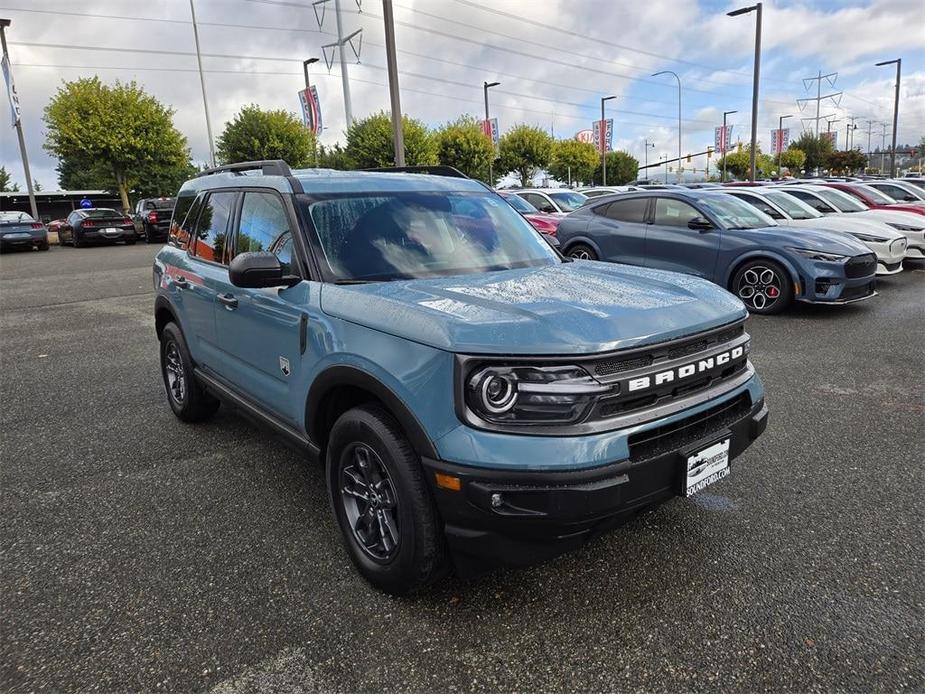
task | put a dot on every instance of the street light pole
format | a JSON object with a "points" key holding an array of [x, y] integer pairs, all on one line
{"points": [[745, 10], [305, 64], [491, 160], [670, 72], [398, 139], [14, 99], [602, 139], [780, 140], [647, 145], [725, 145], [899, 65], [202, 83]]}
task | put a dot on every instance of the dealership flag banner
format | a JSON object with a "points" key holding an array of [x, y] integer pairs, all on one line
{"points": [[311, 109], [721, 139], [604, 144], [780, 140], [15, 111], [490, 128]]}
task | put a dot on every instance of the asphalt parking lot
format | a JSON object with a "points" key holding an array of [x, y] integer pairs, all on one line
{"points": [[139, 554]]}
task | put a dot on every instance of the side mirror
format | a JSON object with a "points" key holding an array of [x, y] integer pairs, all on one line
{"points": [[700, 224], [909, 197], [259, 269]]}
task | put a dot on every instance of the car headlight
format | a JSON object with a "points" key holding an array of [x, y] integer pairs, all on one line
{"points": [[905, 227], [868, 237], [531, 394], [819, 255]]}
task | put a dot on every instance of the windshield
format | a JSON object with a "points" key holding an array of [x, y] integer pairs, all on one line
{"points": [[165, 204], [97, 212], [910, 189], [521, 205], [733, 213], [878, 196], [15, 217], [569, 200], [410, 235], [840, 201], [797, 209]]}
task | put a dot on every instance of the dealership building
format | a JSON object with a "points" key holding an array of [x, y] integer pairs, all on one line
{"points": [[58, 204]]}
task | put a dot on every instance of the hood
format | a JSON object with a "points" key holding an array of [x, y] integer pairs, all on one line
{"points": [[581, 307], [814, 238], [908, 218], [848, 224]]}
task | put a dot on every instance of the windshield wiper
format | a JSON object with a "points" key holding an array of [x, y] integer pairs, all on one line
{"points": [[352, 281]]}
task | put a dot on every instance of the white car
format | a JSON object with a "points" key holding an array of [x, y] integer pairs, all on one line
{"points": [[606, 190], [887, 243], [557, 201], [900, 191]]}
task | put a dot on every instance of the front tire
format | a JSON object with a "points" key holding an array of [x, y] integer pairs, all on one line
{"points": [[388, 522], [581, 251], [763, 286], [187, 398]]}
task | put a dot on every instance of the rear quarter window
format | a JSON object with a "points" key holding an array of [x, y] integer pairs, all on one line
{"points": [[181, 220]]}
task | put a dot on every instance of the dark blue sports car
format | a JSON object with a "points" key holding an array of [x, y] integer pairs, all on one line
{"points": [[713, 235]]}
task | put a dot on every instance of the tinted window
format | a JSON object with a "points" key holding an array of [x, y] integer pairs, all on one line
{"points": [[569, 201], [811, 200], [263, 222], [391, 236], [98, 213], [212, 227], [896, 192], [15, 217], [539, 202], [673, 213], [182, 220], [519, 204], [628, 210], [760, 204], [283, 250]]}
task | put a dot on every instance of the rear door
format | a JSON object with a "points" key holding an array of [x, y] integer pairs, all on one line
{"points": [[672, 245], [619, 229], [262, 333]]}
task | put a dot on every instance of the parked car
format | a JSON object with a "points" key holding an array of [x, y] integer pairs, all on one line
{"points": [[96, 225], [556, 201], [876, 199], [20, 230], [916, 180], [702, 185], [545, 223], [476, 399], [889, 245], [608, 190], [901, 191], [152, 218], [718, 237]]}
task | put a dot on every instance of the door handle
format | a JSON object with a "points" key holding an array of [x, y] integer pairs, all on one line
{"points": [[181, 282], [231, 303]]}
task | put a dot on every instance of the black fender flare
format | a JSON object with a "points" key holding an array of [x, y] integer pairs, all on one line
{"points": [[162, 303], [343, 375]]}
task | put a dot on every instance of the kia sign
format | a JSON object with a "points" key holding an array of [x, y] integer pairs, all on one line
{"points": [[585, 136]]}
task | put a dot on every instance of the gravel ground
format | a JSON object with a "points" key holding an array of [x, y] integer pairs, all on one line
{"points": [[141, 554]]}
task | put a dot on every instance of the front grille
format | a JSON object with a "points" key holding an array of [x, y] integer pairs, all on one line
{"points": [[612, 366], [861, 266], [652, 443], [857, 292]]}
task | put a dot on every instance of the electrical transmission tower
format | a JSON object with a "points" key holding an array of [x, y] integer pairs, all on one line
{"points": [[835, 96], [341, 42]]}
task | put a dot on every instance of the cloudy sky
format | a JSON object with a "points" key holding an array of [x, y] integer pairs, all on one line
{"points": [[554, 58]]}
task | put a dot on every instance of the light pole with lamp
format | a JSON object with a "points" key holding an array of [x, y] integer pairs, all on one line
{"points": [[780, 140], [735, 13], [647, 145], [899, 65], [670, 72], [491, 161]]}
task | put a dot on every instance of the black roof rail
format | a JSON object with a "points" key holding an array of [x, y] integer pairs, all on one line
{"points": [[435, 170], [268, 167]]}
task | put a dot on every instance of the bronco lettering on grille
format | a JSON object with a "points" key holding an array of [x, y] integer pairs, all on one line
{"points": [[679, 372]]}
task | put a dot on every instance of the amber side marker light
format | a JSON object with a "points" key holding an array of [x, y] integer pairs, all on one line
{"points": [[447, 482]]}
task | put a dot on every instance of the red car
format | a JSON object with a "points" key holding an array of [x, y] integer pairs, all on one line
{"points": [[874, 199], [544, 223]]}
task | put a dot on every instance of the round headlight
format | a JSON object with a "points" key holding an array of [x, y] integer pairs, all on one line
{"points": [[498, 393]]}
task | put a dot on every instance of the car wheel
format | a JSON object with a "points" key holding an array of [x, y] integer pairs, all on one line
{"points": [[388, 522], [764, 286], [582, 251], [44, 246], [75, 240], [186, 396]]}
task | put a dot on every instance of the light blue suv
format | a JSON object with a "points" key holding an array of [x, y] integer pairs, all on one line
{"points": [[476, 398]]}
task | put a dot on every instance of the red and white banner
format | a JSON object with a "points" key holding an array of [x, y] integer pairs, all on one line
{"points": [[603, 144], [780, 140], [311, 109], [490, 128], [722, 138]]}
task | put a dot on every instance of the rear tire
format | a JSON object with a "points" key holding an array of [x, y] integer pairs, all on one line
{"points": [[388, 522], [75, 240], [581, 251], [44, 246], [764, 286], [187, 398]]}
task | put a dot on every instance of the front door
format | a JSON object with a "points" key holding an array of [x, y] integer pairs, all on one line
{"points": [[262, 333], [672, 245], [619, 229]]}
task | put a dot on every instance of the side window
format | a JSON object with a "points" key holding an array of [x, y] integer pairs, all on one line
{"points": [[673, 213], [149, 205], [894, 192], [212, 227], [631, 211], [263, 226], [762, 205], [812, 201], [184, 215]]}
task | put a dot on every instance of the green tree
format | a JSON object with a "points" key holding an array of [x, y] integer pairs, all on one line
{"points": [[793, 159], [370, 144], [842, 162], [739, 164], [6, 182], [816, 149], [463, 144], [121, 128], [254, 134], [622, 168], [574, 160], [525, 150], [334, 158]]}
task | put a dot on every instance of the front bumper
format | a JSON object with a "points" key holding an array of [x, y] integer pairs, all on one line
{"points": [[517, 518]]}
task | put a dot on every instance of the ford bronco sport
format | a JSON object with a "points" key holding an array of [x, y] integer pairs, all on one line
{"points": [[476, 398]]}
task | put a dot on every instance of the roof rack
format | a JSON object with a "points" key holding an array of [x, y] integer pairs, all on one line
{"points": [[435, 170], [269, 167]]}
